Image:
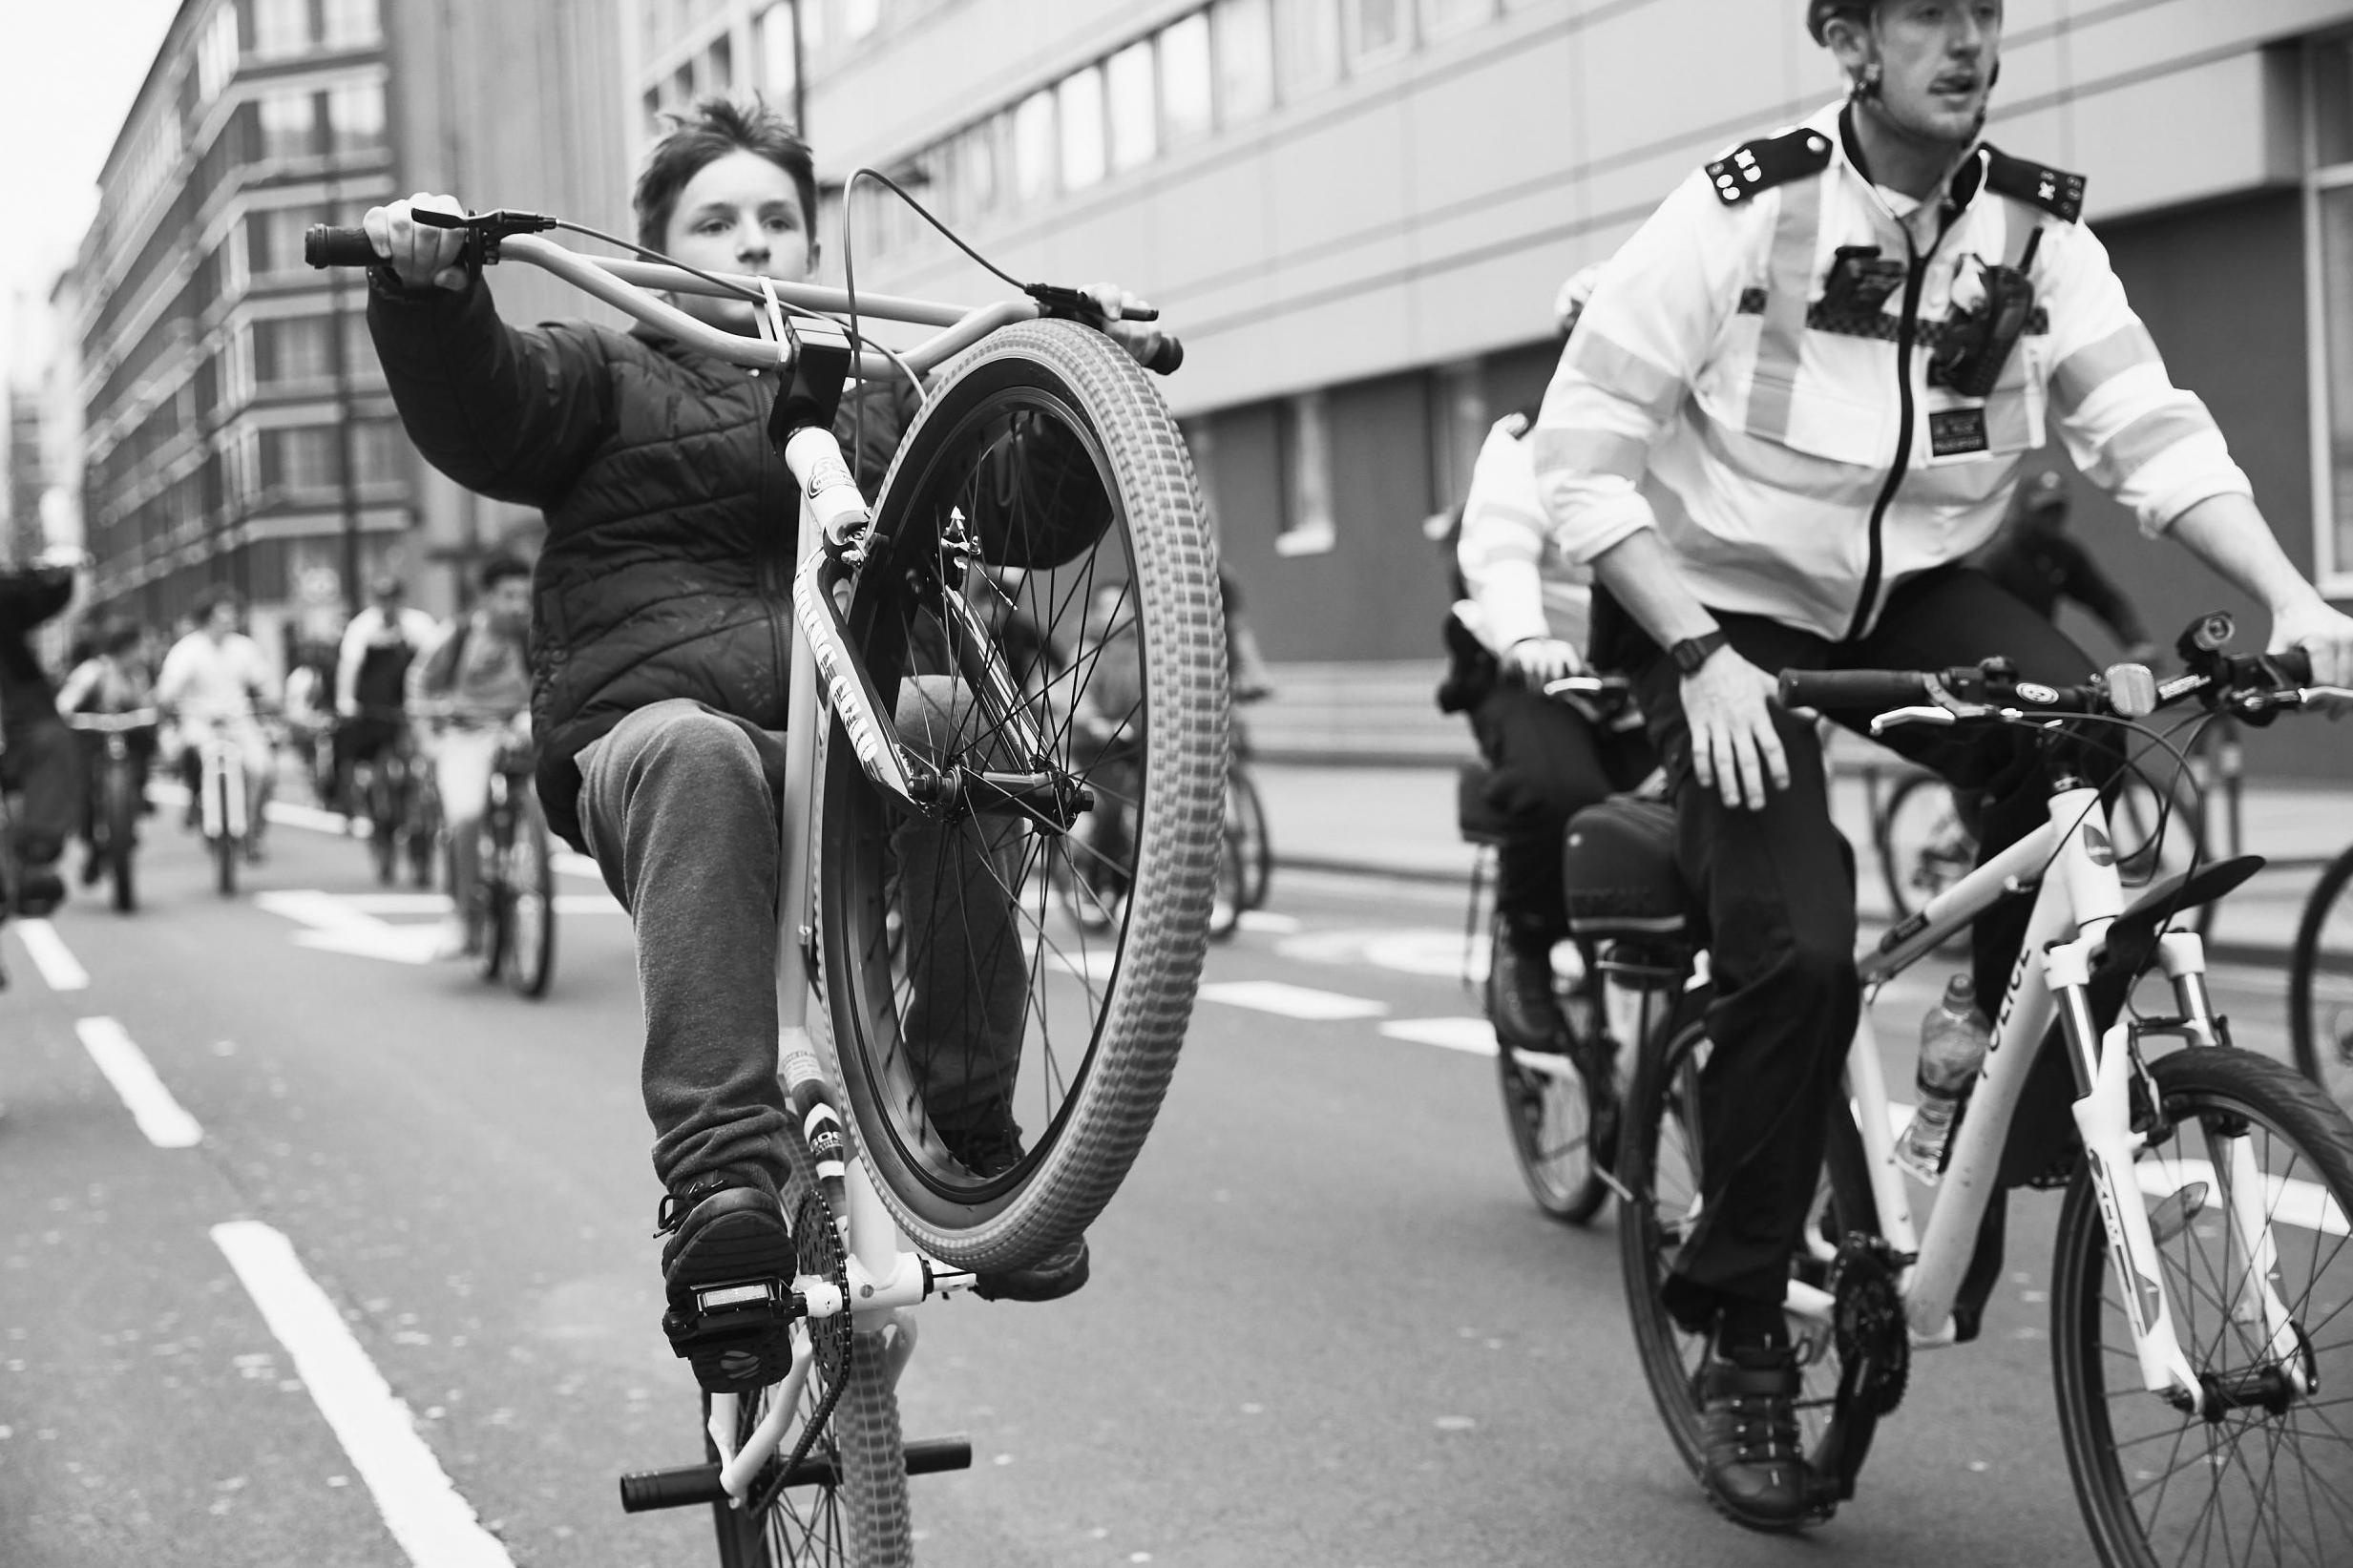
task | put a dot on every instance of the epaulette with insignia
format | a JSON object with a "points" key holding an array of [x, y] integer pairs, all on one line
{"points": [[1770, 161], [2055, 191]]}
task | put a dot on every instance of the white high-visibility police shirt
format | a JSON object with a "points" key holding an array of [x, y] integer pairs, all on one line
{"points": [[1524, 584], [1710, 394]]}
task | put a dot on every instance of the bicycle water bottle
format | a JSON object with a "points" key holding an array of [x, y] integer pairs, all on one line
{"points": [[1953, 1038]]}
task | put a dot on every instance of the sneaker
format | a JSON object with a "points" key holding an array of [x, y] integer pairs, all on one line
{"points": [[992, 1148], [1756, 1472], [731, 1241], [1520, 1001]]}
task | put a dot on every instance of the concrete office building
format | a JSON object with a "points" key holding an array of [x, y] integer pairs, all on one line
{"points": [[1357, 211], [237, 427]]}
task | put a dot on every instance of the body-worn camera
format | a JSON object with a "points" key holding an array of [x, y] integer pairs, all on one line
{"points": [[1977, 341]]}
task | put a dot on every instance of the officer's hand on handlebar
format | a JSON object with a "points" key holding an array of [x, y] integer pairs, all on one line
{"points": [[1140, 340], [418, 252], [1538, 660], [2324, 633], [1735, 751]]}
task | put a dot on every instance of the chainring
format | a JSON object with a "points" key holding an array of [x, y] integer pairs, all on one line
{"points": [[1869, 1326]]}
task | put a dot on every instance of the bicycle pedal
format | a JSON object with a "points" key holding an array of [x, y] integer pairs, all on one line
{"points": [[735, 1333]]}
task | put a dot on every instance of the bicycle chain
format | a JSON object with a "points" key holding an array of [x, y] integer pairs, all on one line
{"points": [[835, 1341]]}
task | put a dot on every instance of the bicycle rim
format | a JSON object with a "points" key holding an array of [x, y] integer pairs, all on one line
{"points": [[1659, 1162], [2255, 1486], [1257, 847], [1549, 1107], [2321, 984], [958, 983], [1923, 847]]}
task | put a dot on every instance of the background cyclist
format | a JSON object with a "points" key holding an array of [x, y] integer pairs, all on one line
{"points": [[2038, 560], [1766, 476], [1547, 759], [371, 676], [466, 697], [660, 638], [38, 756], [211, 684], [112, 680]]}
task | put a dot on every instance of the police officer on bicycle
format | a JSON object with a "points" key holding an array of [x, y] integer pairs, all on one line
{"points": [[1801, 395]]}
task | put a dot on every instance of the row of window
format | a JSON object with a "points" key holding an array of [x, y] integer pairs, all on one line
{"points": [[1222, 67], [286, 29], [345, 118], [249, 468]]}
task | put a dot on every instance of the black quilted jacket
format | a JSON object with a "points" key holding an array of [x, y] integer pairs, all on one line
{"points": [[670, 522]]}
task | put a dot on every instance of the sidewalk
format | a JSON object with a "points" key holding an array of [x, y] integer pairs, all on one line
{"points": [[1400, 822]]}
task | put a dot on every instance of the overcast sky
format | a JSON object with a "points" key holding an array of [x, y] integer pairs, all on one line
{"points": [[68, 72]]}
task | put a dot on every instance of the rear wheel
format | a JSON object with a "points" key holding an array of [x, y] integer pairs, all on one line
{"points": [[531, 898], [493, 901], [383, 797], [1257, 849], [1562, 1144], [2270, 1480], [957, 987], [1659, 1161], [1923, 847], [2320, 983]]}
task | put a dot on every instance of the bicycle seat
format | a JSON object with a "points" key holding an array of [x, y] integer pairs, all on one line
{"points": [[1619, 865]]}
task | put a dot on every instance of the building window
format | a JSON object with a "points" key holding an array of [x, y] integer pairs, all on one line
{"points": [[1459, 427], [350, 24], [1079, 105], [293, 350], [1135, 111], [355, 116], [860, 17], [301, 458], [2328, 221], [379, 452], [216, 51], [1186, 101], [1307, 46], [281, 28], [1242, 32], [1033, 147], [1378, 31], [719, 67], [1440, 17], [1307, 478], [779, 71], [979, 187], [290, 125]]}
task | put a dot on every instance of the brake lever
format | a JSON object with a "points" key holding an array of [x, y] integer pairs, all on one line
{"points": [[1897, 718]]}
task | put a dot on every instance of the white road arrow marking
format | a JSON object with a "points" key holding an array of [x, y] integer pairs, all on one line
{"points": [[338, 925]]}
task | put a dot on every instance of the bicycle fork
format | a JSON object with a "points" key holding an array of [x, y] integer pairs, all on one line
{"points": [[2105, 1117]]}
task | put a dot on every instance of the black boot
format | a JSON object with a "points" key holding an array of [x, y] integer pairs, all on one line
{"points": [[1756, 1472], [1520, 1001]]}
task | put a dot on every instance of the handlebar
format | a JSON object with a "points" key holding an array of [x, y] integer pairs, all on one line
{"points": [[108, 723], [2252, 686], [627, 285]]}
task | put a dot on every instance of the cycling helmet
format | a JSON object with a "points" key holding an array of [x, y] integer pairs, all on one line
{"points": [[1819, 13]]}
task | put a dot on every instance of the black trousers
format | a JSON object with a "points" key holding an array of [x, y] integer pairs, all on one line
{"points": [[1546, 762], [41, 758], [1776, 888]]}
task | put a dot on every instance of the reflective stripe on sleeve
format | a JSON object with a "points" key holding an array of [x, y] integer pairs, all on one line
{"points": [[1625, 374], [2150, 436], [2095, 363], [1588, 451], [1782, 334]]}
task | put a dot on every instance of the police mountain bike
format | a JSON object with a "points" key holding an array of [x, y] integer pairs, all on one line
{"points": [[883, 610], [2202, 1281]]}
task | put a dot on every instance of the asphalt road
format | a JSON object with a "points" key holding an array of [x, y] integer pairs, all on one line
{"points": [[1327, 1326]]}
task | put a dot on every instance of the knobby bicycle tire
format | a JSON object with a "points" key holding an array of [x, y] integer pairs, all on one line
{"points": [[2304, 1146], [1659, 1163], [1559, 1142], [1915, 872], [2320, 1023], [1233, 895], [1085, 1098]]}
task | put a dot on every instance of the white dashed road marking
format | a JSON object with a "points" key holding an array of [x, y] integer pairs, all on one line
{"points": [[1292, 1001], [1267, 920], [126, 1067], [1474, 1035], [433, 1525], [52, 956]]}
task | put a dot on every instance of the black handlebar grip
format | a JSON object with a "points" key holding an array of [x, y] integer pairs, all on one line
{"points": [[1875, 690], [2296, 664], [1167, 357], [324, 246]]}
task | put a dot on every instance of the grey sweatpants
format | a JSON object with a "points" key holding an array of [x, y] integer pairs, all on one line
{"points": [[675, 807]]}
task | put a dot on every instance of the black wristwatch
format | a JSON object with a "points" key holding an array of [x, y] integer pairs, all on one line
{"points": [[1693, 652]]}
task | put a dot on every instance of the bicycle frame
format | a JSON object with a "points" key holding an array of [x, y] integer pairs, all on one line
{"points": [[2078, 896]]}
